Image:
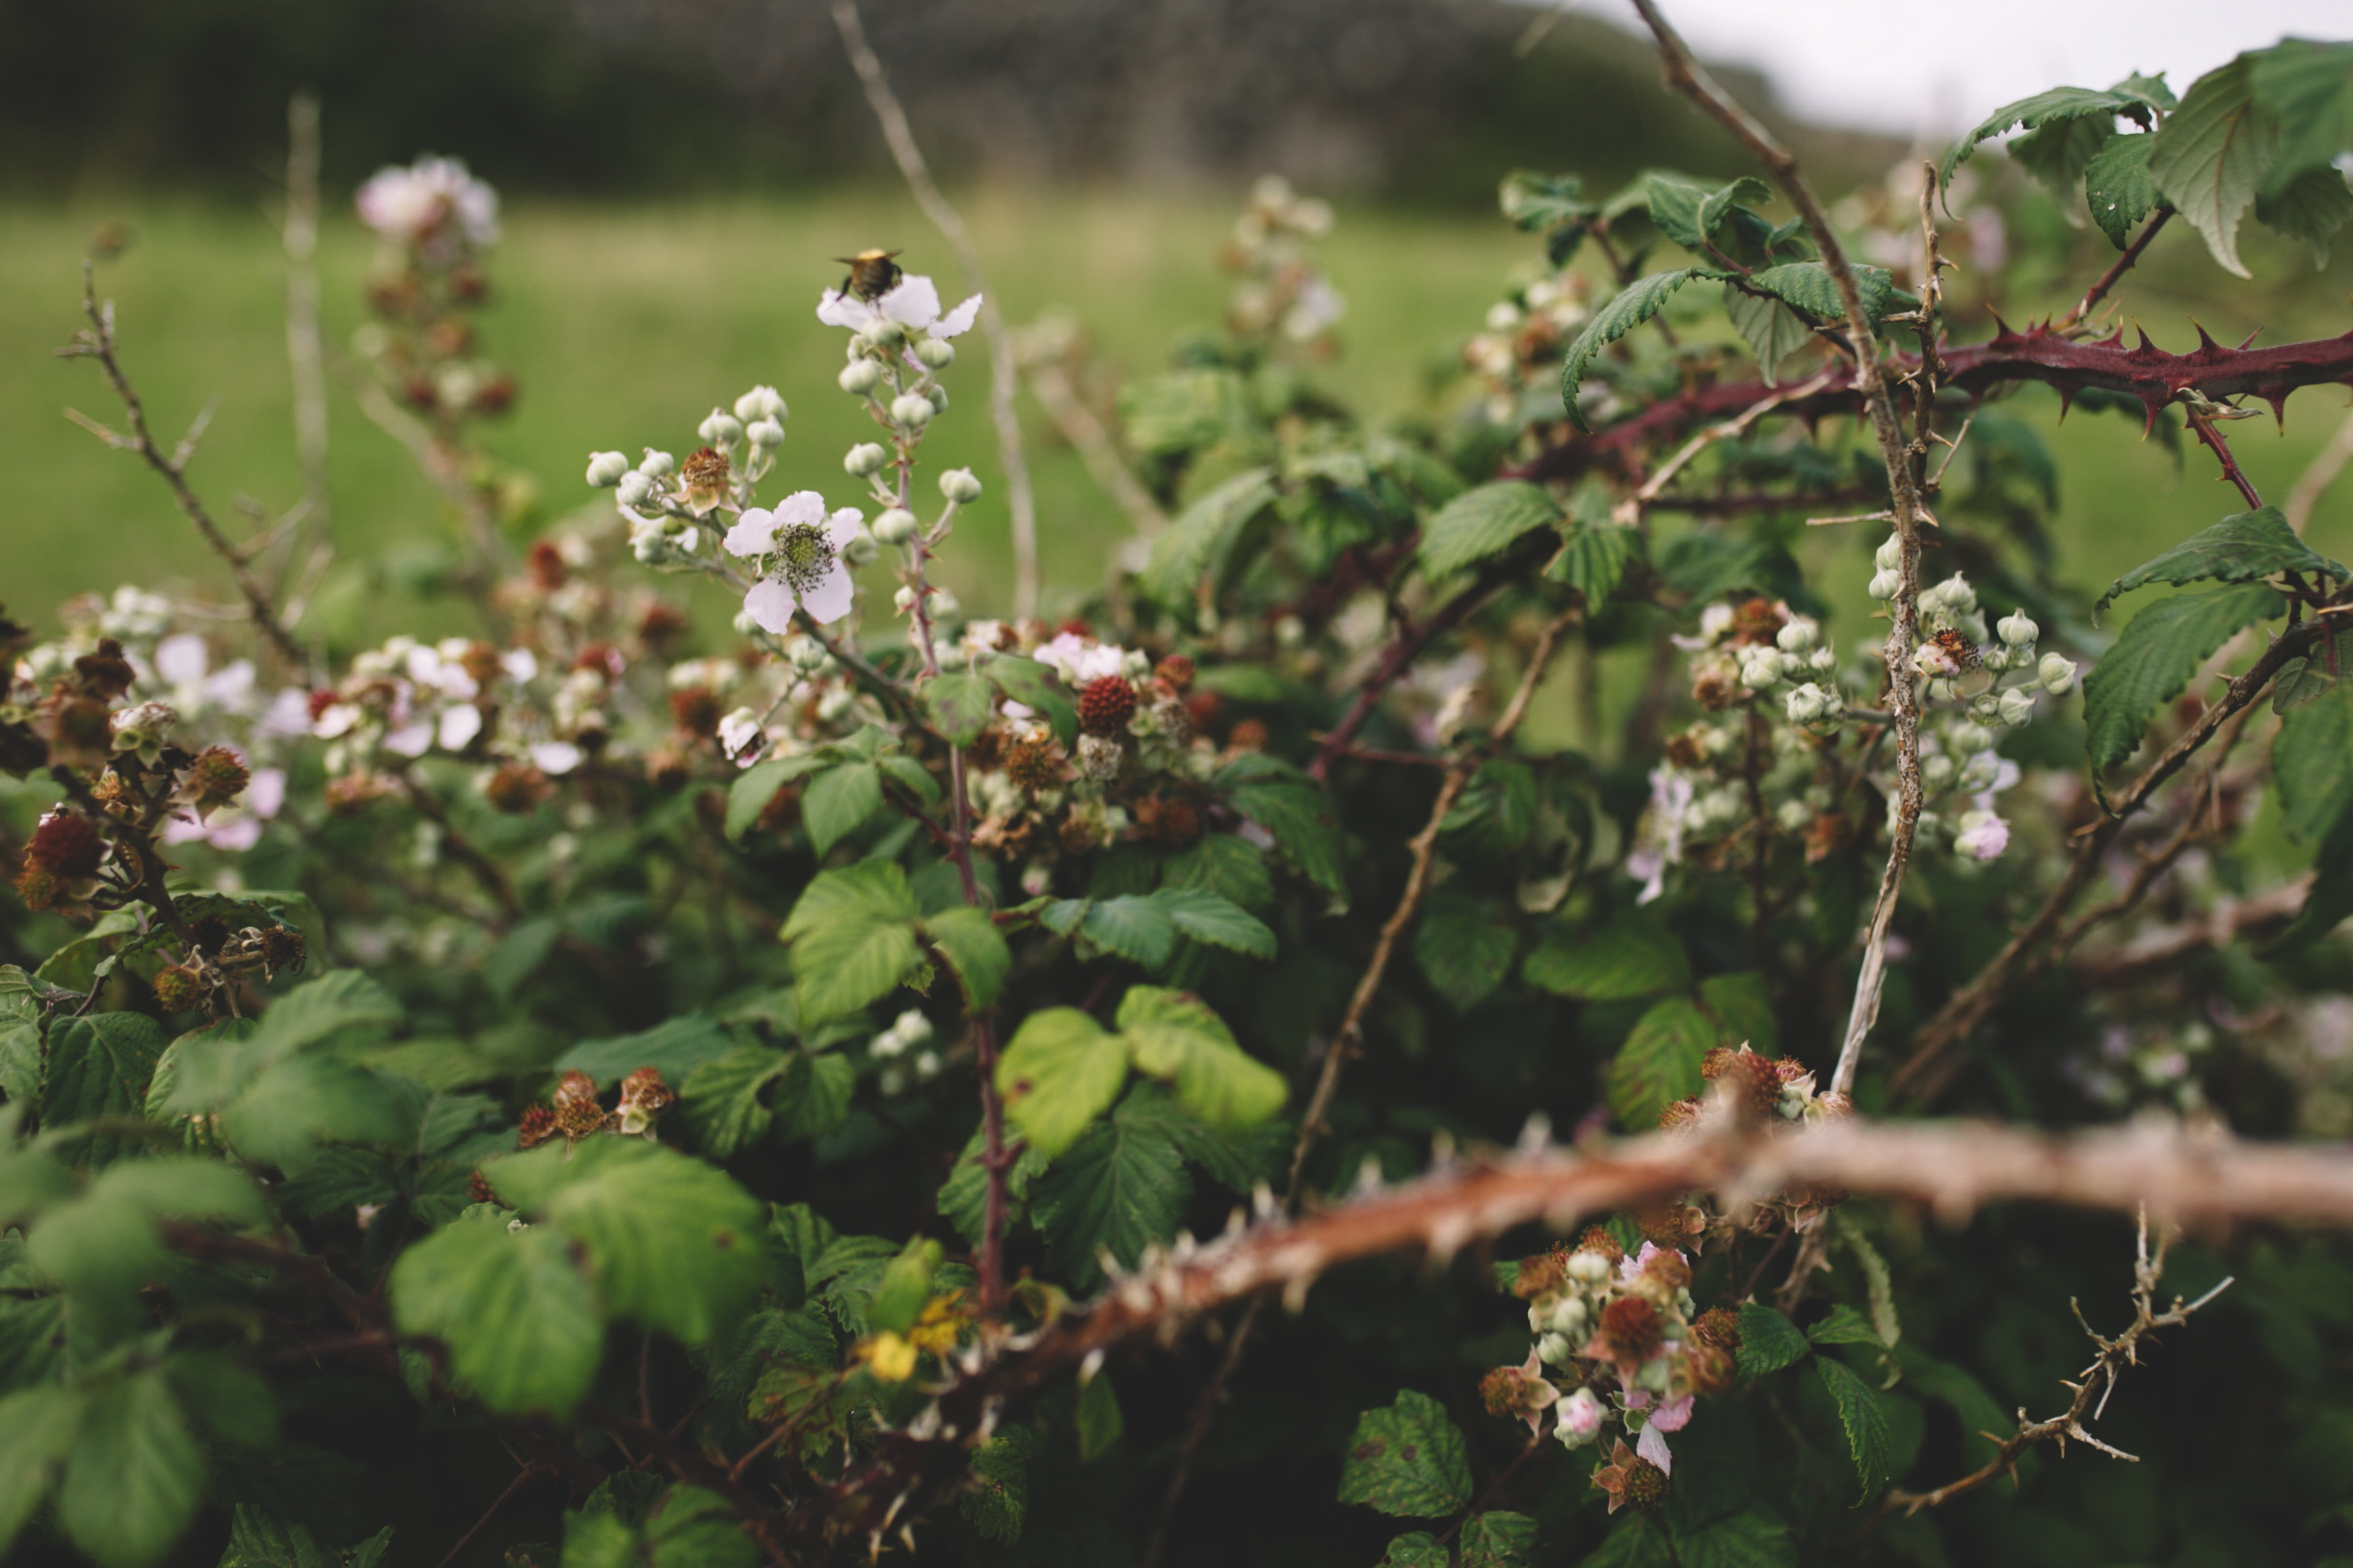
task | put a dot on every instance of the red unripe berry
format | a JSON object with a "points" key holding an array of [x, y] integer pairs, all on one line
{"points": [[1106, 705], [67, 845], [1633, 1328]]}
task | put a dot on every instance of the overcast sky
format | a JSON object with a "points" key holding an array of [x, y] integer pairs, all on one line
{"points": [[1934, 69]]}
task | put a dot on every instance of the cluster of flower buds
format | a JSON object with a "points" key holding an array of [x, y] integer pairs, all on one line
{"points": [[1950, 654], [1516, 356], [1800, 667], [1757, 1091], [435, 220], [1282, 296], [910, 1032], [576, 1111]]}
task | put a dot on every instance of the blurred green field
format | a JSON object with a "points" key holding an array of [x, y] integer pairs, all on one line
{"points": [[626, 324]]}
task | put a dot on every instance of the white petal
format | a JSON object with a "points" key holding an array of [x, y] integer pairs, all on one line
{"points": [[519, 664], [844, 525], [459, 725], [183, 829], [959, 321], [556, 756], [236, 835], [803, 507], [837, 309], [409, 740], [753, 532], [1652, 1445], [181, 661], [830, 600], [267, 794], [914, 302], [770, 603]]}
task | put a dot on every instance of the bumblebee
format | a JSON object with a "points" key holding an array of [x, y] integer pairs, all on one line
{"points": [[872, 273]]}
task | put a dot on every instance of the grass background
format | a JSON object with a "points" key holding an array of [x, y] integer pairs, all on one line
{"points": [[625, 324]]}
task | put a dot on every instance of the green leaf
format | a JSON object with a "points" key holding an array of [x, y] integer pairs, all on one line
{"points": [[1750, 1539], [1464, 945], [1865, 1422], [2211, 156], [2246, 547], [1768, 1341], [521, 1324], [996, 1501], [1059, 1072], [1844, 1326], [964, 1197], [1135, 928], [1538, 203], [1099, 1419], [1184, 411], [1497, 1539], [749, 795], [1495, 813], [1637, 303], [960, 706], [2312, 763], [675, 1048], [1983, 1424], [1221, 864], [1174, 1037], [669, 1241], [2160, 649], [98, 1067], [838, 801], [1632, 956], [1742, 1005], [134, 1476], [1236, 1158], [723, 1102], [37, 1428], [1593, 561], [2308, 87], [968, 940], [1635, 1543], [1408, 1459], [2055, 106], [1040, 688], [2308, 205], [1484, 522], [1282, 800], [1809, 286], [102, 1244], [1120, 1189], [20, 1026], [853, 939], [2118, 190], [1659, 1064], [1203, 537], [1219, 921], [1417, 1549], [259, 1538], [2057, 154], [814, 1097], [341, 1006], [1772, 330], [2331, 898], [691, 1528]]}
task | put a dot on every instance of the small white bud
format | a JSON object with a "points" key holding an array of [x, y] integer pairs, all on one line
{"points": [[636, 488], [2057, 673], [1798, 636], [936, 351], [1587, 1268], [720, 428], [1759, 668], [1554, 1350], [903, 601], [883, 332], [1889, 558], [860, 548], [2017, 631], [1793, 816], [760, 403], [1823, 660], [1886, 584], [859, 376], [1568, 1315], [1937, 771], [896, 526], [959, 486], [764, 434], [2018, 705], [808, 657], [605, 468], [911, 409], [656, 463], [864, 458], [938, 398], [945, 604], [1807, 704]]}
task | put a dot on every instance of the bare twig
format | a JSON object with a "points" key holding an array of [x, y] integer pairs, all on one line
{"points": [[2203, 425], [492, 1512], [1052, 386], [950, 224], [2166, 948], [2091, 1392], [1628, 513], [96, 342]]}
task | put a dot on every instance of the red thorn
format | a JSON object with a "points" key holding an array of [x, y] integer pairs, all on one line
{"points": [[2206, 343], [2066, 401], [2150, 422], [2115, 339], [2279, 408], [2251, 337], [2002, 332], [2146, 347]]}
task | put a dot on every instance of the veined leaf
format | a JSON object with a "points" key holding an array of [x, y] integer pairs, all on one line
{"points": [[1844, 1326], [521, 1323], [1497, 1539], [1211, 918], [963, 1198], [2210, 157], [1593, 561], [959, 705], [1202, 536], [1174, 1037], [2309, 87], [1285, 802], [1408, 1459], [2117, 187], [1630, 956], [814, 1095], [1635, 303], [37, 1428], [98, 1066], [2308, 205], [838, 801], [721, 1100], [1809, 286], [1772, 330], [1752, 1538], [2153, 659], [1120, 1189], [675, 1048], [1865, 1422], [1464, 945], [1768, 1341], [134, 1476], [1038, 687], [2059, 103], [1659, 1064], [1059, 1072], [2246, 547], [853, 939], [2312, 763], [1132, 926], [1480, 524], [970, 943]]}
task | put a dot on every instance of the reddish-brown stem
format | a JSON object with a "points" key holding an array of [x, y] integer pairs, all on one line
{"points": [[2123, 264], [2203, 425]]}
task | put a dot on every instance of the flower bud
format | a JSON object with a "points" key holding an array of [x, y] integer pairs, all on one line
{"points": [[1798, 636], [896, 526], [937, 396], [860, 548], [903, 601], [1886, 583], [1968, 739], [636, 488], [911, 411], [605, 468], [656, 463], [1807, 704], [720, 428], [944, 603], [1566, 1317], [865, 459], [760, 403], [1937, 771], [1554, 1350], [2017, 705], [2017, 631], [764, 432], [2057, 673], [883, 332], [859, 377], [1580, 1419], [1889, 557], [1823, 660], [959, 486], [1759, 668], [936, 351], [1585, 1266]]}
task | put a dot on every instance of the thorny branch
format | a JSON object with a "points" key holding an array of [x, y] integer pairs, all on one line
{"points": [[2123, 264], [96, 342], [944, 217], [2098, 1382]]}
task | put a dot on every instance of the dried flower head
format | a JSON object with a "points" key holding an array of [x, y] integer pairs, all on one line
{"points": [[67, 845], [1717, 1326], [1633, 1329], [1602, 1239], [179, 988], [1541, 1275], [1177, 670], [1099, 758], [706, 472], [104, 675], [216, 777], [1249, 735], [537, 1126], [517, 788], [1034, 762]]}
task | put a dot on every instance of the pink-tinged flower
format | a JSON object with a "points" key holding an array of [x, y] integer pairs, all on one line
{"points": [[1658, 837], [1631, 1268], [410, 203], [1982, 834], [802, 547], [238, 828], [1578, 1419], [1082, 660], [1652, 1445], [1629, 1477], [915, 304]]}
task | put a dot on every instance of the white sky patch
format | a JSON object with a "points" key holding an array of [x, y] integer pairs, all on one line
{"points": [[1935, 72]]}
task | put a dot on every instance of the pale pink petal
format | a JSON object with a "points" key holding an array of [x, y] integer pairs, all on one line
{"points": [[1673, 1415], [753, 532], [458, 726], [556, 756], [236, 835], [519, 664], [839, 309], [183, 829], [914, 302], [843, 526], [266, 794], [770, 604], [1652, 1445], [409, 740], [959, 321], [831, 598], [181, 661]]}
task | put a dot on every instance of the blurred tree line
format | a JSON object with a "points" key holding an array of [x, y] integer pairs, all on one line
{"points": [[1424, 100]]}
